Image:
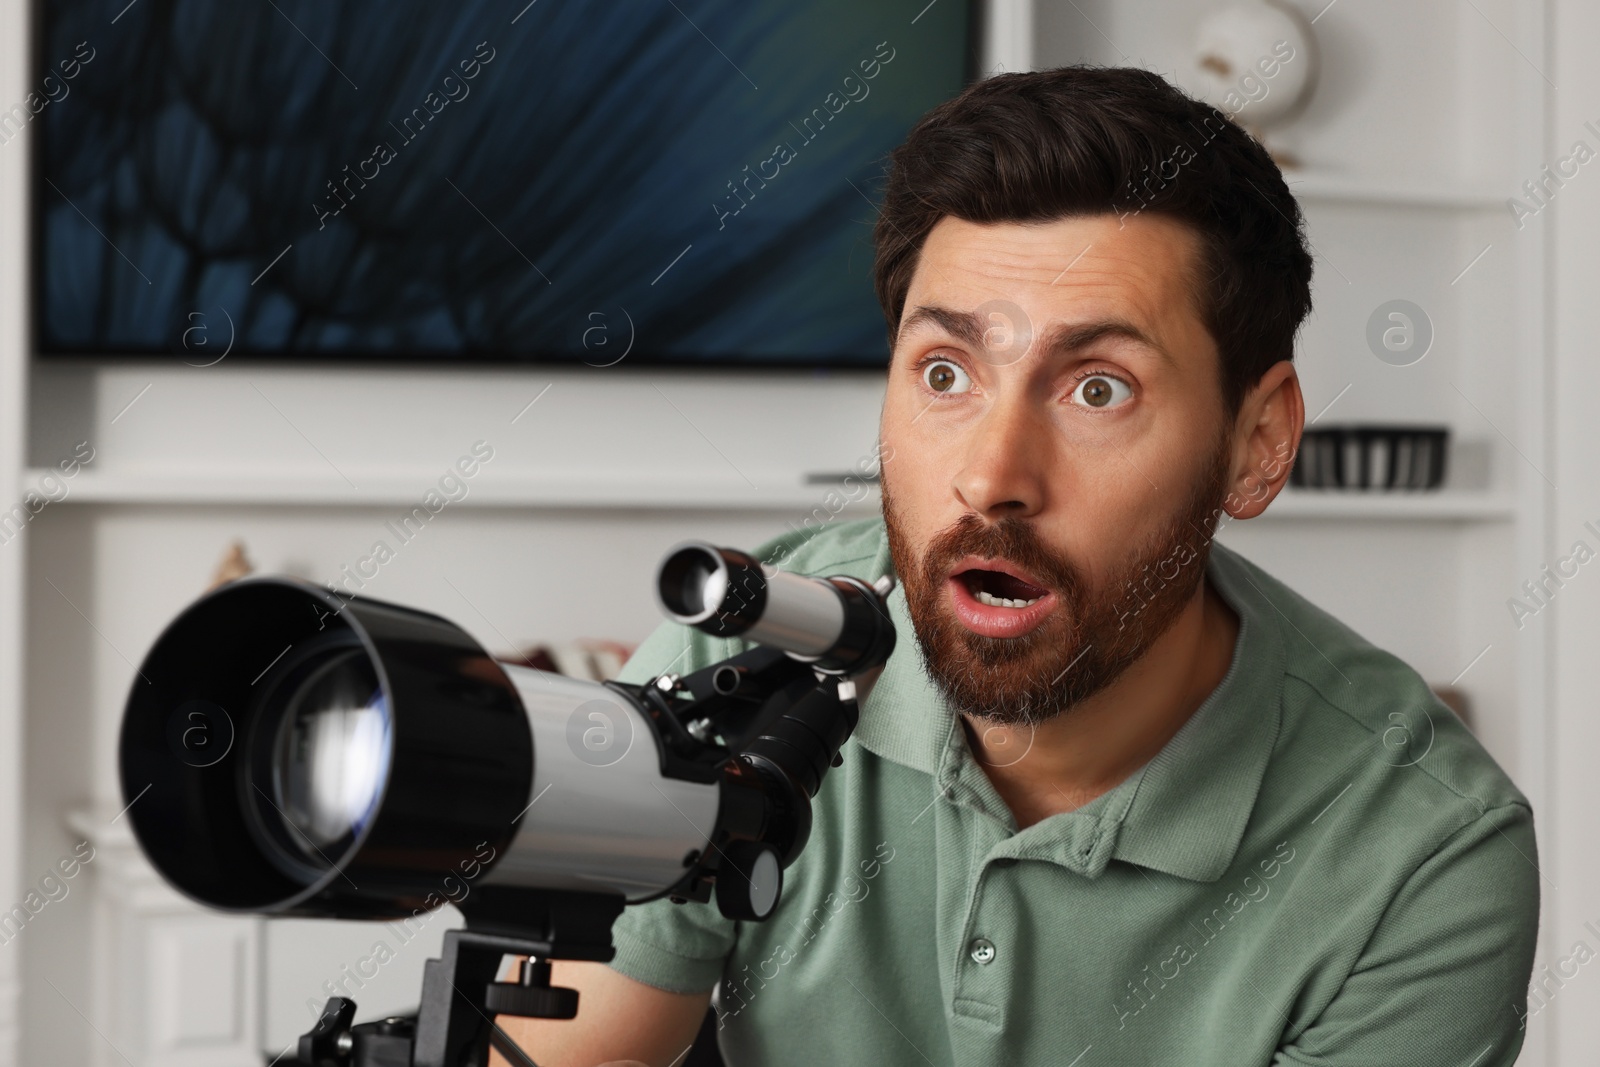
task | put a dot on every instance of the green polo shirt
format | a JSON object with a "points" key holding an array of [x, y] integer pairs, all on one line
{"points": [[1321, 867]]}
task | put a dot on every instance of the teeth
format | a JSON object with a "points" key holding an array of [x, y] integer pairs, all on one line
{"points": [[985, 597]]}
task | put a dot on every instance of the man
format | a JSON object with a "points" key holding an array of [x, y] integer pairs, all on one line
{"points": [[1125, 799]]}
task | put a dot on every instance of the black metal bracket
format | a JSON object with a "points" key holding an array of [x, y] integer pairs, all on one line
{"points": [[453, 1026]]}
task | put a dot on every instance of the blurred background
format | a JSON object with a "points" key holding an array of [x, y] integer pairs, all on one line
{"points": [[268, 275]]}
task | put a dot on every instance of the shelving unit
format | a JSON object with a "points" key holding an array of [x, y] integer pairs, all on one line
{"points": [[557, 537]]}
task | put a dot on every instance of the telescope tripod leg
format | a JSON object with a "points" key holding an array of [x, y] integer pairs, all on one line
{"points": [[509, 1048]]}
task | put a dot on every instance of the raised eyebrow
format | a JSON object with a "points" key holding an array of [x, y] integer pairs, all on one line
{"points": [[962, 325], [1064, 340], [967, 327]]}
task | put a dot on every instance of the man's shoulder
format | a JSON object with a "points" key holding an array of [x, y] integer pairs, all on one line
{"points": [[1416, 865], [1343, 694]]}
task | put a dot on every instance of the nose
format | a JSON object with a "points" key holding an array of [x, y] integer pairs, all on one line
{"points": [[1003, 472]]}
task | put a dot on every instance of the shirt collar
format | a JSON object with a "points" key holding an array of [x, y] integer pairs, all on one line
{"points": [[1184, 813]]}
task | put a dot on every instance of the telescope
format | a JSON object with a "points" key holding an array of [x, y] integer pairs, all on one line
{"points": [[290, 750]]}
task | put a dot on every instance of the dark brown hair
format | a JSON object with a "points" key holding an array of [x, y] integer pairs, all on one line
{"points": [[1083, 140]]}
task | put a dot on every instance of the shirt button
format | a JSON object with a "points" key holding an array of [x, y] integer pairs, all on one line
{"points": [[982, 950]]}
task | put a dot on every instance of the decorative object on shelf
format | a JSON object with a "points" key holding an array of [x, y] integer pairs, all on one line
{"points": [[593, 660], [233, 565], [1456, 700], [1257, 61], [1371, 458]]}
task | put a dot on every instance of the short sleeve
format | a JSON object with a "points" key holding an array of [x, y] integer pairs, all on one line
{"points": [[681, 948], [677, 947], [1444, 978]]}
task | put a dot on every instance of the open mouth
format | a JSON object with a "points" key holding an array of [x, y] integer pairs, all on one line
{"points": [[994, 598], [1001, 589]]}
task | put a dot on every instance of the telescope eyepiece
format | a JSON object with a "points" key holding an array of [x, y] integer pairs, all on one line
{"points": [[839, 624], [698, 583]]}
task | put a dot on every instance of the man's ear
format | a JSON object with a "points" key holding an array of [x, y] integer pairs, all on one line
{"points": [[1266, 438]]}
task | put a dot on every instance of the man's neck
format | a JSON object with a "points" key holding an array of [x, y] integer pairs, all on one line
{"points": [[1078, 755]]}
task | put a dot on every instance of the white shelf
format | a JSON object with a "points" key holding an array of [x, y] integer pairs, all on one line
{"points": [[1314, 186], [788, 492], [1443, 505], [390, 489]]}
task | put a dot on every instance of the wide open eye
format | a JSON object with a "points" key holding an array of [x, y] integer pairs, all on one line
{"points": [[1102, 391], [942, 376]]}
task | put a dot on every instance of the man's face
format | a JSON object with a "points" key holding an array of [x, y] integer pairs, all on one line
{"points": [[1057, 450]]}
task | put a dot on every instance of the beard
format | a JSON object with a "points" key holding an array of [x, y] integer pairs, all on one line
{"points": [[1095, 633]]}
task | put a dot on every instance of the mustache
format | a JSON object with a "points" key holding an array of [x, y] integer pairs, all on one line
{"points": [[1011, 539]]}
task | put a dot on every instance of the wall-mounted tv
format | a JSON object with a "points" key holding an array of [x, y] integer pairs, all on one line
{"points": [[686, 181]]}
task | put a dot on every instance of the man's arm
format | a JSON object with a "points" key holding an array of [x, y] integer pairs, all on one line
{"points": [[618, 1019], [1444, 978]]}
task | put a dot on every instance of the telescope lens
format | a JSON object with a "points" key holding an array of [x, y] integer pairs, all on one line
{"points": [[330, 758], [693, 583], [706, 588]]}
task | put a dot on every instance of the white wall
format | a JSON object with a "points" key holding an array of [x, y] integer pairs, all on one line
{"points": [[1573, 866], [13, 428]]}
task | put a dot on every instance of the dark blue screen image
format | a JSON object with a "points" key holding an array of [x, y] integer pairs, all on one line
{"points": [[688, 181]]}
